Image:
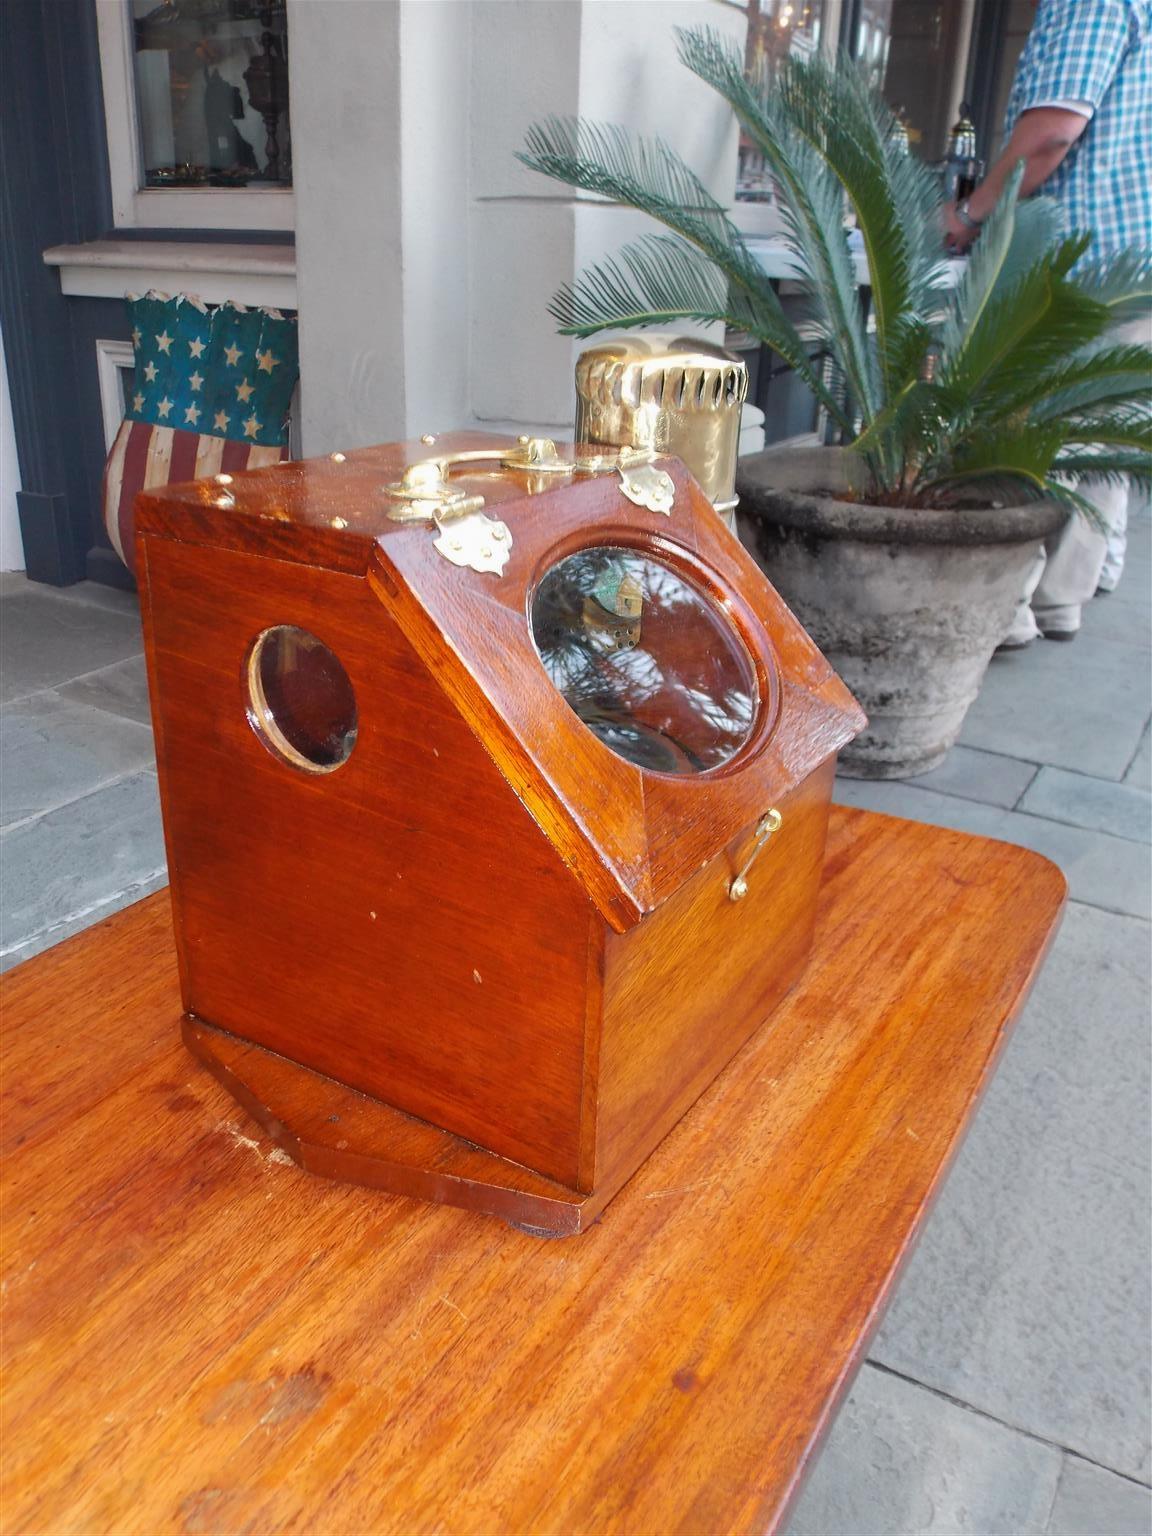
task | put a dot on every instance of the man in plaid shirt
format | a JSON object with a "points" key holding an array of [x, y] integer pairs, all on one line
{"points": [[1080, 117]]}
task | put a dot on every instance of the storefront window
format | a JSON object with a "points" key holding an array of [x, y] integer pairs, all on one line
{"points": [[776, 29], [928, 56], [211, 81]]}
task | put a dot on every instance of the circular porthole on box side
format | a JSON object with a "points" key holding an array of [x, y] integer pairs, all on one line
{"points": [[301, 702]]}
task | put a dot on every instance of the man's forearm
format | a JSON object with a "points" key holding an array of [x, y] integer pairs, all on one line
{"points": [[1041, 138]]}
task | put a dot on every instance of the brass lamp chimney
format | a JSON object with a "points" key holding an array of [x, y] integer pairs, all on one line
{"points": [[673, 393]]}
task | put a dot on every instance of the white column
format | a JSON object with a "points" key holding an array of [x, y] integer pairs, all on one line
{"points": [[345, 107], [426, 254], [608, 60], [11, 544]]}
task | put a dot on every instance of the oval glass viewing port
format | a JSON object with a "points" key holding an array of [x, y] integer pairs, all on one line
{"points": [[646, 659], [300, 699]]}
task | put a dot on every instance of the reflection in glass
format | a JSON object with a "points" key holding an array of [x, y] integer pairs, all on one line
{"points": [[300, 699], [776, 29], [211, 82], [927, 55], [645, 660]]}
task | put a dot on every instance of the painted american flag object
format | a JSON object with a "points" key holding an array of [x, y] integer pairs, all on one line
{"points": [[210, 393]]}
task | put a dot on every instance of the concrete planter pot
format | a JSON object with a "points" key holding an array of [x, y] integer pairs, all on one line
{"points": [[908, 606]]}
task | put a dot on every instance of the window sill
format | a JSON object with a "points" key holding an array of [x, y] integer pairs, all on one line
{"points": [[246, 274]]}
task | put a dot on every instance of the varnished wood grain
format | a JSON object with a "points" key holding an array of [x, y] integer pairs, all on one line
{"points": [[200, 1338], [684, 990], [432, 922], [338, 1133], [402, 925], [632, 837], [680, 995]]}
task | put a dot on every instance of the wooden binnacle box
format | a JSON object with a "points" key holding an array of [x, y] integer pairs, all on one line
{"points": [[457, 811]]}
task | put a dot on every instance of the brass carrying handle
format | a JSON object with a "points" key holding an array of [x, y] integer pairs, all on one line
{"points": [[423, 492], [426, 483], [769, 823]]}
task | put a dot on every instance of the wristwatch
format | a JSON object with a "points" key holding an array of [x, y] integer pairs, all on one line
{"points": [[965, 217]]}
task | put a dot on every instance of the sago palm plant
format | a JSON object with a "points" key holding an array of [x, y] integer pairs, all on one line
{"points": [[1006, 384]]}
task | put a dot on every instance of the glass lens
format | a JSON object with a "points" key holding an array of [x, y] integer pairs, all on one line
{"points": [[211, 82], [302, 702], [645, 659]]}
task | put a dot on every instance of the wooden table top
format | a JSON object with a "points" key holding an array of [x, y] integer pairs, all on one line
{"points": [[200, 1338]]}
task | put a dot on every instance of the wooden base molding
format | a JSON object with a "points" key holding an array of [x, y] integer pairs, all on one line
{"points": [[335, 1132]]}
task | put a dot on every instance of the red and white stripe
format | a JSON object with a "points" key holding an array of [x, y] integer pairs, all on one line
{"points": [[144, 456]]}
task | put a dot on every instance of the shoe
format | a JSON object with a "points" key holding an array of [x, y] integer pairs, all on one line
{"points": [[1015, 643], [1059, 623]]}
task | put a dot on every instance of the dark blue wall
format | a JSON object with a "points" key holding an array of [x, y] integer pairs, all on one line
{"points": [[54, 190]]}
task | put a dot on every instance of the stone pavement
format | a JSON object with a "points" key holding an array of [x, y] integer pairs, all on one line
{"points": [[1007, 1393]]}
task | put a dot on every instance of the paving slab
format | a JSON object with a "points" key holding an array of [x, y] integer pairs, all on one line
{"points": [[1093, 1502], [75, 860], [54, 750], [1120, 615], [973, 775], [1110, 872], [95, 593], [1030, 1295], [1139, 773], [45, 641], [901, 1460], [1120, 809], [1081, 706], [58, 932], [120, 690]]}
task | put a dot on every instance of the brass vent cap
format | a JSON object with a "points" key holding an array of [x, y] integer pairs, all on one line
{"points": [[677, 394]]}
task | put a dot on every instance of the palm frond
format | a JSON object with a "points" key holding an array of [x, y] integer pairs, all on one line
{"points": [[1122, 283], [641, 287], [895, 197], [1119, 464], [1131, 428], [1010, 383], [1025, 327], [1065, 494], [1024, 452], [1100, 377], [1037, 227], [659, 279], [811, 205], [981, 277], [645, 174]]}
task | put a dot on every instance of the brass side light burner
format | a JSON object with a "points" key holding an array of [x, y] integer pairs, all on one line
{"points": [[668, 394]]}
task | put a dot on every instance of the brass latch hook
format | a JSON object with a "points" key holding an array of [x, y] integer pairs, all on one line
{"points": [[769, 823]]}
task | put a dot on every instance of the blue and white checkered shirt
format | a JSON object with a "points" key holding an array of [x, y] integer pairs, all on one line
{"points": [[1098, 52]]}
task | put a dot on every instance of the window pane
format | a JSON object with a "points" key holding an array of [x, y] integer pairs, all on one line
{"points": [[212, 92], [776, 28], [921, 52], [645, 659]]}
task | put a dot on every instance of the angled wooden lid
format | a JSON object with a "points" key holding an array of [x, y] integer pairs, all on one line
{"points": [[632, 837]]}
